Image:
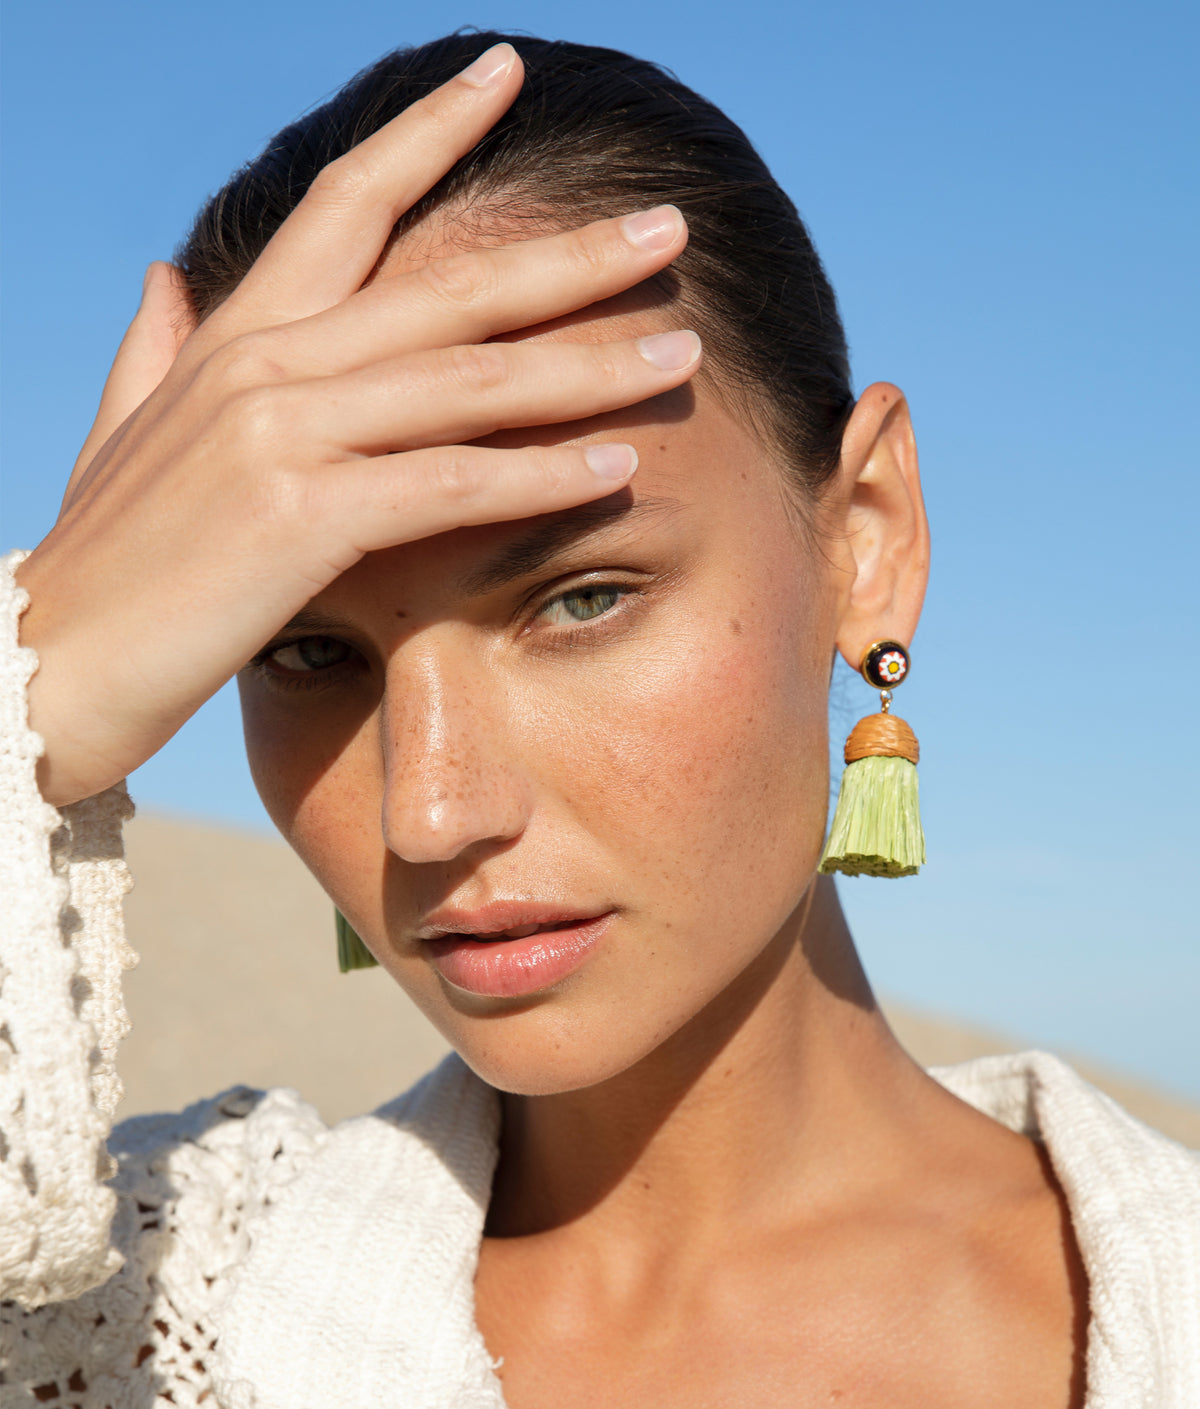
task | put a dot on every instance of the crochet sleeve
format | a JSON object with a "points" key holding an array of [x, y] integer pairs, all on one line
{"points": [[190, 1189], [62, 951]]}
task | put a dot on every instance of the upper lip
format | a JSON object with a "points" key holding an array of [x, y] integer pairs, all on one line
{"points": [[503, 915]]}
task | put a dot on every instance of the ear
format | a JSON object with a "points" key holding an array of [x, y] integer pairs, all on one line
{"points": [[882, 525]]}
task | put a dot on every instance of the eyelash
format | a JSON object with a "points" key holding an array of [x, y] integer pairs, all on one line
{"points": [[281, 678], [319, 678], [619, 590]]}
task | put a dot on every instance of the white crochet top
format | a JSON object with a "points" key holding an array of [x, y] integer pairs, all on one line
{"points": [[259, 1260]]}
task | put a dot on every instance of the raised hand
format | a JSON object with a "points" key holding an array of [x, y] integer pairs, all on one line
{"points": [[237, 468]]}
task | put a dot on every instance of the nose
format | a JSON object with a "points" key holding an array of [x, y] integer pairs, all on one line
{"points": [[451, 777]]}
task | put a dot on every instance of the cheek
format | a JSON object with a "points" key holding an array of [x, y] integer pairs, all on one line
{"points": [[698, 789], [703, 763], [314, 772]]}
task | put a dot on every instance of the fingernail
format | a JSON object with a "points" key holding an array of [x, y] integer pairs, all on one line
{"points": [[490, 67], [653, 229], [611, 461], [670, 352]]}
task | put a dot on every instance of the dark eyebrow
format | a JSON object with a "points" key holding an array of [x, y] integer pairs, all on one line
{"points": [[314, 622], [520, 556], [549, 535]]}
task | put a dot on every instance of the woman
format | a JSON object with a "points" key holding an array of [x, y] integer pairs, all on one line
{"points": [[552, 735]]}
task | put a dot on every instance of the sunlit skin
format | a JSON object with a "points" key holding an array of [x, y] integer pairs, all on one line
{"points": [[721, 1181], [665, 759], [715, 1156]]}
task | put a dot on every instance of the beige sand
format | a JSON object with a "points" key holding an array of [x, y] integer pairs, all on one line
{"points": [[239, 983]]}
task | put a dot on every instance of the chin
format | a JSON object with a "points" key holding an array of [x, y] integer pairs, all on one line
{"points": [[546, 1047], [530, 1073], [607, 1021]]}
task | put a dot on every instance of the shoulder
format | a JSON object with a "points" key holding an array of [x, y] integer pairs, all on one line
{"points": [[1134, 1198], [389, 1211], [190, 1187], [1040, 1095]]}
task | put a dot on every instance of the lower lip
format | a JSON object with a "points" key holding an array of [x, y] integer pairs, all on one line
{"points": [[513, 968]]}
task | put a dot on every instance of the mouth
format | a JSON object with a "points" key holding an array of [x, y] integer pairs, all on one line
{"points": [[480, 956], [513, 932]]}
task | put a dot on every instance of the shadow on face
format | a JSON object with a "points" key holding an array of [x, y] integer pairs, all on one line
{"points": [[617, 711]]}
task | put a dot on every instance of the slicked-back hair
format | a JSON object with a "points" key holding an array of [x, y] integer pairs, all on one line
{"points": [[593, 133]]}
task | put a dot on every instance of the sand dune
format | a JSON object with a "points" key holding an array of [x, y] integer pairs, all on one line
{"points": [[238, 983]]}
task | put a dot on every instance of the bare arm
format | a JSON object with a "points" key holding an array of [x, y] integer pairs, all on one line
{"points": [[308, 421]]}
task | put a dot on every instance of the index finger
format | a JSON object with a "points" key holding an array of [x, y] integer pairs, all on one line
{"points": [[325, 249]]}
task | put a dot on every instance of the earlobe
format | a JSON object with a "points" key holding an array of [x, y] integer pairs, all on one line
{"points": [[883, 525]]}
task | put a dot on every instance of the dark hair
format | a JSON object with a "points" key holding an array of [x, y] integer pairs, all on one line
{"points": [[592, 133]]}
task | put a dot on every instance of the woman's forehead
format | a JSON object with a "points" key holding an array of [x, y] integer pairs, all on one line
{"points": [[700, 489], [693, 451]]}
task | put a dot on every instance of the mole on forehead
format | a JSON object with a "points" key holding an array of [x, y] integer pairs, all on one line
{"points": [[526, 552]]}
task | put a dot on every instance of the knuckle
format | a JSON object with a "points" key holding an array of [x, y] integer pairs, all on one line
{"points": [[438, 115], [342, 182], [554, 468], [455, 480], [477, 368], [590, 249], [244, 361], [460, 280]]}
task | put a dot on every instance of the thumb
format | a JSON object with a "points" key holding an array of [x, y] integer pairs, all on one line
{"points": [[162, 323]]}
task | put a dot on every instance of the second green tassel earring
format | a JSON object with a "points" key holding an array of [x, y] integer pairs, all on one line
{"points": [[352, 952], [876, 827]]}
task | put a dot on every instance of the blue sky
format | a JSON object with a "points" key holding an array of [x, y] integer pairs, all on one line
{"points": [[1006, 200]]}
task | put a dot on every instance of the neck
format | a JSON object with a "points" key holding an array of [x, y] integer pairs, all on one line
{"points": [[780, 1089]]}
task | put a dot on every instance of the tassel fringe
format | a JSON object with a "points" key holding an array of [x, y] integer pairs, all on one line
{"points": [[351, 951], [877, 825]]}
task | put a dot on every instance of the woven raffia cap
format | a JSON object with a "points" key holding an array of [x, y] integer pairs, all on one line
{"points": [[882, 736]]}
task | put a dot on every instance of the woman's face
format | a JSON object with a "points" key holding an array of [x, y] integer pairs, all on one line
{"points": [[609, 723]]}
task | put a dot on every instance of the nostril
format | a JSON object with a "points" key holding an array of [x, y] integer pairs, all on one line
{"points": [[449, 776]]}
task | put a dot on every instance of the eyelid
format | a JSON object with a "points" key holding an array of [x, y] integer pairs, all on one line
{"points": [[576, 578], [623, 579], [345, 635], [628, 580], [284, 678], [277, 643]]}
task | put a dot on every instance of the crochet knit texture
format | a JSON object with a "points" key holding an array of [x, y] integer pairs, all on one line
{"points": [[258, 1260], [62, 949]]}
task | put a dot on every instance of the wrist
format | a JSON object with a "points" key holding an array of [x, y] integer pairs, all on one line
{"points": [[70, 766]]}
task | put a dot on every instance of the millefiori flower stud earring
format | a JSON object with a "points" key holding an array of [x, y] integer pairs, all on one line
{"points": [[352, 952], [876, 827]]}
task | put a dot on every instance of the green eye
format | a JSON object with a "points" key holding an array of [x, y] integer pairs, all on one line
{"points": [[582, 605]]}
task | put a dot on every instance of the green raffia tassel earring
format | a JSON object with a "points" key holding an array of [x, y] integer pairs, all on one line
{"points": [[352, 952], [877, 824]]}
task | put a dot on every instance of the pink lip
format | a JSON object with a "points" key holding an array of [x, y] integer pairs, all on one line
{"points": [[511, 968]]}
